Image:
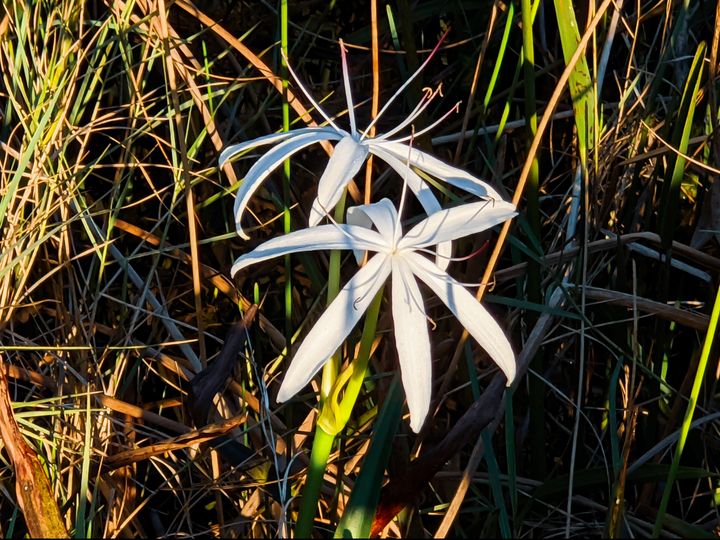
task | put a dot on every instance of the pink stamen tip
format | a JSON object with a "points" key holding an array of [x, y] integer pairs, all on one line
{"points": [[474, 253], [439, 43]]}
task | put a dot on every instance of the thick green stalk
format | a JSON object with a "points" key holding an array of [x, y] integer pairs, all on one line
{"points": [[332, 420], [332, 366], [286, 167], [322, 446], [689, 412], [357, 369]]}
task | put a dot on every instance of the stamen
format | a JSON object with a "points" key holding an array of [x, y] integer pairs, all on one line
{"points": [[405, 85], [404, 191], [335, 223], [455, 109], [457, 259], [432, 322], [444, 276], [417, 111], [307, 94], [348, 92]]}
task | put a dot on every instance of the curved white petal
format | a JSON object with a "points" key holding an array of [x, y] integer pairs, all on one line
{"points": [[336, 236], [382, 214], [345, 162], [457, 222], [268, 163], [416, 184], [273, 138], [412, 341], [441, 170], [473, 316], [334, 325], [422, 191]]}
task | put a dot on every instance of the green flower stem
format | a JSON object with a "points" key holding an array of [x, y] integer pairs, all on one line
{"points": [[687, 421], [287, 224], [332, 366], [359, 366], [333, 418], [322, 446]]}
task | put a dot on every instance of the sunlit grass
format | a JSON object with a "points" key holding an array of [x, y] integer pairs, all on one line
{"points": [[117, 236]]}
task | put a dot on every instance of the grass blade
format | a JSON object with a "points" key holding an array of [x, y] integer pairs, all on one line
{"points": [[357, 520]]}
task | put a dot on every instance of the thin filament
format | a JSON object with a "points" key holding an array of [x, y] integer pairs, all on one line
{"points": [[307, 94], [348, 92], [405, 85], [455, 109], [404, 190], [417, 111]]}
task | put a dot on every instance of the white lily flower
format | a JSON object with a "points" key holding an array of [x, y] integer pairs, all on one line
{"points": [[397, 256], [349, 155]]}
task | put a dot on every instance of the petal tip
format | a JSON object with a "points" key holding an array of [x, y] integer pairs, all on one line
{"points": [[241, 233], [285, 393], [416, 423]]}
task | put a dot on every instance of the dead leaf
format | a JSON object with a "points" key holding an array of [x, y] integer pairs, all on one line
{"points": [[32, 488]]}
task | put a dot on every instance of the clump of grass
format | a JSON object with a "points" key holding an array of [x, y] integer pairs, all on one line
{"points": [[116, 237]]}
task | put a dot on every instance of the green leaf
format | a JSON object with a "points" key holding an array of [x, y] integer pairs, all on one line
{"points": [[580, 82], [680, 141], [360, 511]]}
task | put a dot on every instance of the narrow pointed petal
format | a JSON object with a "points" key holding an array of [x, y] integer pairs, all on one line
{"points": [[473, 316], [334, 325], [381, 214], [273, 138], [441, 170], [421, 190], [268, 163], [345, 162], [412, 341], [336, 236], [457, 222], [416, 184]]}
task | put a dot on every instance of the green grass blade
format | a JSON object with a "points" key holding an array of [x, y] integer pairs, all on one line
{"points": [[357, 520], [680, 141], [689, 412], [580, 83]]}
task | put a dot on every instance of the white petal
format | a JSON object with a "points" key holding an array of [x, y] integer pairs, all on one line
{"points": [[336, 236], [230, 151], [441, 170], [473, 316], [421, 190], [345, 162], [457, 222], [382, 214], [444, 254], [412, 341], [416, 184], [334, 325], [268, 163]]}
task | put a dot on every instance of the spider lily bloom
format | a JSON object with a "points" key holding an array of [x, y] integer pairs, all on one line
{"points": [[350, 153], [397, 256]]}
